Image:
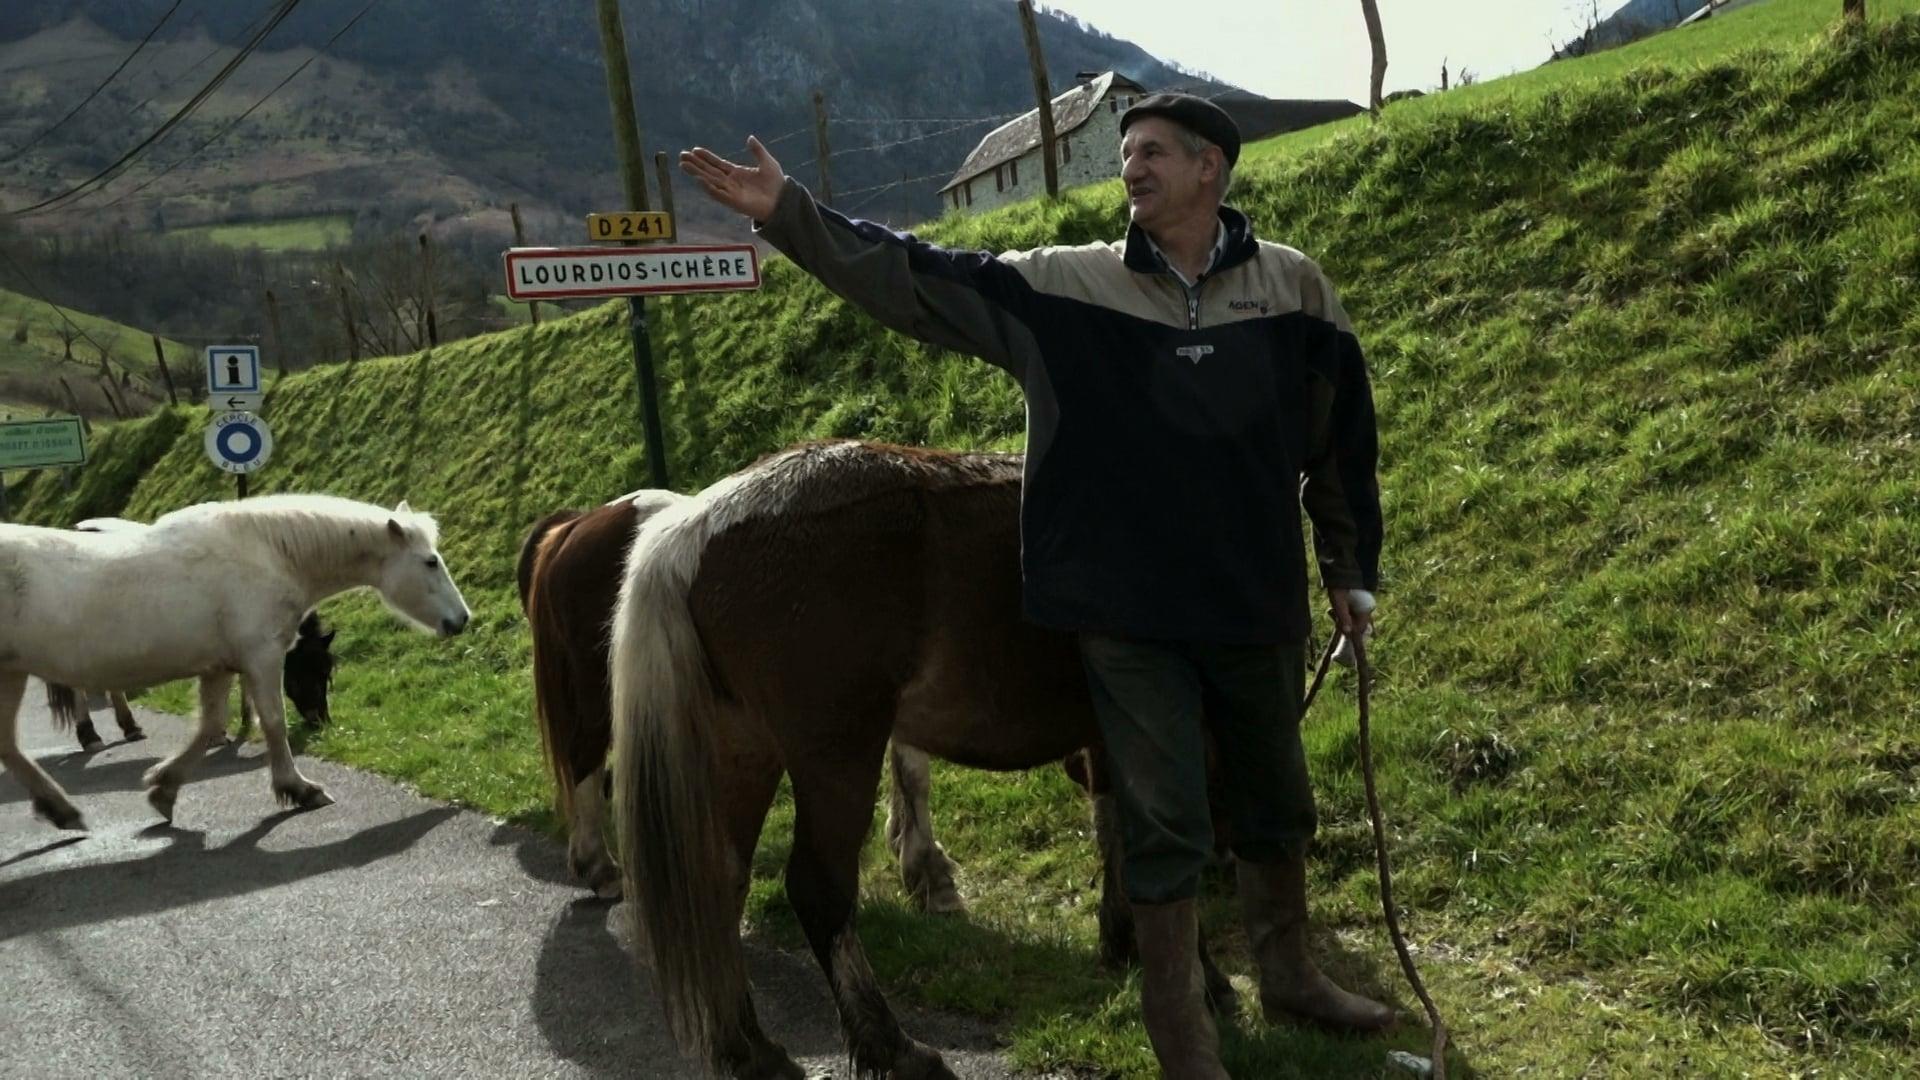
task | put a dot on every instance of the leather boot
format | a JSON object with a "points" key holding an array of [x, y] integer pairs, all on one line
{"points": [[1273, 902], [1172, 994]]}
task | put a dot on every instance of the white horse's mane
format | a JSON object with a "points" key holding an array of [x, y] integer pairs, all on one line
{"points": [[307, 530]]}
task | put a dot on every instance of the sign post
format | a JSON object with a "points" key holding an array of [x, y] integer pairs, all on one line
{"points": [[237, 441], [35, 444]]}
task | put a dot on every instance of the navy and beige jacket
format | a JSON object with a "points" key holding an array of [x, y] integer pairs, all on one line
{"points": [[1173, 434]]}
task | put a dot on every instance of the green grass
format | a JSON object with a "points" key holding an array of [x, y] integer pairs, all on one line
{"points": [[283, 234], [1645, 332]]}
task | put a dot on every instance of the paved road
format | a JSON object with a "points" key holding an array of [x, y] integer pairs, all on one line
{"points": [[387, 935]]}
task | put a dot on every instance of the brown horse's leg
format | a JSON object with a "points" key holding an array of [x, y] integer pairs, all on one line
{"points": [[89, 735], [833, 809], [587, 853], [123, 715], [925, 870], [752, 777]]}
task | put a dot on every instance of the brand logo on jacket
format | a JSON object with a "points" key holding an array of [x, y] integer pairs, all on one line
{"points": [[1247, 305], [1194, 352]]}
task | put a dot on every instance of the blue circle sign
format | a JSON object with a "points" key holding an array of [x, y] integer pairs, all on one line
{"points": [[239, 442]]}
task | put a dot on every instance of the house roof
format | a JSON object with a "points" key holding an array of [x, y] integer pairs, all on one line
{"points": [[1016, 137], [1256, 116]]}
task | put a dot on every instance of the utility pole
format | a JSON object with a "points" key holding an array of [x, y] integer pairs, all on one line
{"points": [[626, 138], [820, 152], [520, 240], [1042, 95]]}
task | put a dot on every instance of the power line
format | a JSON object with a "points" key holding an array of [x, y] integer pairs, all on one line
{"points": [[103, 85], [235, 122], [120, 165]]}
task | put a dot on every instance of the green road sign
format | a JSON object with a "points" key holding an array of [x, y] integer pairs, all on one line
{"points": [[33, 444]]}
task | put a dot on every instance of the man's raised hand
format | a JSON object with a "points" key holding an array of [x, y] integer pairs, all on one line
{"points": [[748, 189]]}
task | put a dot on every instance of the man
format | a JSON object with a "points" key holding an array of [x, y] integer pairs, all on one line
{"points": [[1181, 385]]}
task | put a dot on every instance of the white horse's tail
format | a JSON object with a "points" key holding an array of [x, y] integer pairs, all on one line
{"points": [[66, 705], [678, 870]]}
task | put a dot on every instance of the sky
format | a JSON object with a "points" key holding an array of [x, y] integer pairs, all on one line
{"points": [[1319, 48]]}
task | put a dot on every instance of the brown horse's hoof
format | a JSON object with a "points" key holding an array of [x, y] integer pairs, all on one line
{"points": [[920, 1062], [133, 735]]}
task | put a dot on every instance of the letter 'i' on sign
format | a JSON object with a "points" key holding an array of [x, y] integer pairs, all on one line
{"points": [[233, 369]]}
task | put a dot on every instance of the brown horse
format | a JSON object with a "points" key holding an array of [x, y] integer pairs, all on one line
{"points": [[569, 575], [793, 618]]}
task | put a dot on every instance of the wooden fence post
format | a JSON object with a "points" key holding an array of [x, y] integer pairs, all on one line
{"points": [[166, 377], [346, 314], [279, 342], [820, 147], [426, 291]]}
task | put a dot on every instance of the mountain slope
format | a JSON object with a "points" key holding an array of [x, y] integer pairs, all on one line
{"points": [[448, 107]]}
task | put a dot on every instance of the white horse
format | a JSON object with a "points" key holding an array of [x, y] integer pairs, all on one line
{"points": [[209, 591]]}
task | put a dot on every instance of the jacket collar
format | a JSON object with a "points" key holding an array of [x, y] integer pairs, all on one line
{"points": [[1141, 257]]}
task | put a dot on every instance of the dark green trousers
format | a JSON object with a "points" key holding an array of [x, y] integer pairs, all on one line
{"points": [[1157, 703]]}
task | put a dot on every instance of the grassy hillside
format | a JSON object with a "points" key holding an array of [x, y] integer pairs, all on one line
{"points": [[312, 233], [30, 369], [1645, 333]]}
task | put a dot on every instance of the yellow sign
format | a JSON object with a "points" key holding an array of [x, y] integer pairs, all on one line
{"points": [[650, 225]]}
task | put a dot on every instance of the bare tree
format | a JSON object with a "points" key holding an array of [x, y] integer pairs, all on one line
{"points": [[69, 333], [1371, 10]]}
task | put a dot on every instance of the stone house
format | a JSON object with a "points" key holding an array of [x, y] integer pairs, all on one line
{"points": [[1005, 167]]}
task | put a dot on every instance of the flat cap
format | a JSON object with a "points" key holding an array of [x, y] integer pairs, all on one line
{"points": [[1196, 114]]}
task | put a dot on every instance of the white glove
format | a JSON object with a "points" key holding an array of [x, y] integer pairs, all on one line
{"points": [[1360, 602]]}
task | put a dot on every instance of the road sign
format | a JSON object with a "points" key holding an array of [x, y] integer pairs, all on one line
{"points": [[235, 402], [239, 442], [644, 225], [233, 369], [565, 273], [34, 444]]}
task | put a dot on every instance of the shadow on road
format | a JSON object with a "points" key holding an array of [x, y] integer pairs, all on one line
{"points": [[76, 772], [188, 872]]}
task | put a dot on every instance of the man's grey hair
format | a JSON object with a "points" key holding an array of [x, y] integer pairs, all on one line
{"points": [[1195, 143]]}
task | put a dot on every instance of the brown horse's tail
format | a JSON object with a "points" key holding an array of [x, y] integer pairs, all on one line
{"points": [[678, 871], [65, 703], [552, 681]]}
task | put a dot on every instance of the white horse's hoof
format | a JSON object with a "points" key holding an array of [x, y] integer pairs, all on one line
{"points": [[303, 796], [162, 800], [60, 816]]}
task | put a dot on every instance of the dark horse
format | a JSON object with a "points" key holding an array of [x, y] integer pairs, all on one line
{"points": [[569, 575], [306, 675], [793, 618]]}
